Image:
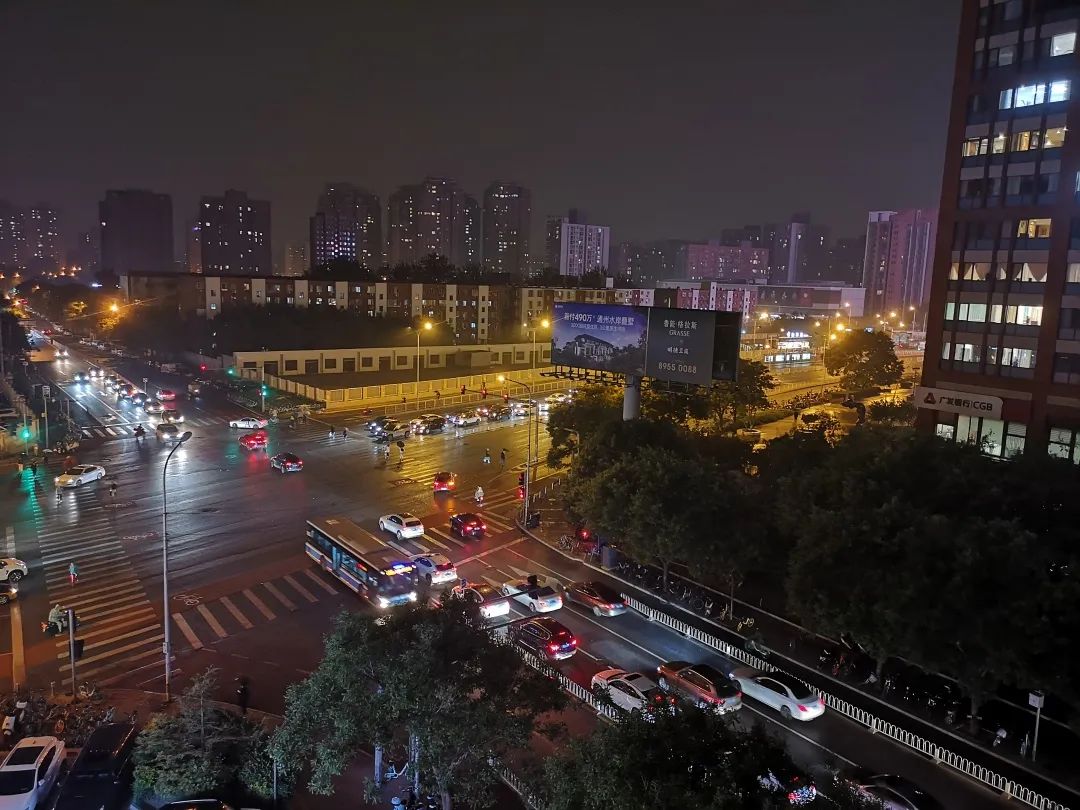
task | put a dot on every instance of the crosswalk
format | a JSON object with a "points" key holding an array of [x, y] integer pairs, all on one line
{"points": [[118, 429], [118, 624]]}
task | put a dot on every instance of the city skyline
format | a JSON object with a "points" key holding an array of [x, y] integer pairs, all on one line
{"points": [[699, 178]]}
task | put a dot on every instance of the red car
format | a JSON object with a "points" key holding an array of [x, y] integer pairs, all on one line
{"points": [[253, 441], [444, 482]]}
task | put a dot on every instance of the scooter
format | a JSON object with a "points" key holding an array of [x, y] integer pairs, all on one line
{"points": [[14, 720], [54, 628]]}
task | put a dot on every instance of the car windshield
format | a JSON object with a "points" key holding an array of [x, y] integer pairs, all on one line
{"points": [[797, 687], [96, 764], [395, 584], [545, 592], [485, 591], [412, 523], [13, 783], [561, 636], [79, 470], [446, 566]]}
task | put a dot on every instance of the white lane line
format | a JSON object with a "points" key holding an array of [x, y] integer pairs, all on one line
{"points": [[117, 650], [211, 620], [236, 614], [492, 550], [189, 634], [279, 596], [111, 432], [128, 610], [114, 627], [447, 536], [431, 539], [259, 604], [304, 592], [97, 645], [128, 659], [318, 581], [399, 548]]}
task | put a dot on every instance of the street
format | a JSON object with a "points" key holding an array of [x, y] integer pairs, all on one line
{"points": [[245, 598]]}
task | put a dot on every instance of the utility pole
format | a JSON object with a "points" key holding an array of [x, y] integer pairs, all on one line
{"points": [[71, 647], [45, 392]]}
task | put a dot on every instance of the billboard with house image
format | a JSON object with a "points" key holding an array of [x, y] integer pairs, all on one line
{"points": [[601, 337]]}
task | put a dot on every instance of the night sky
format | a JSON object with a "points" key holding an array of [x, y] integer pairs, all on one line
{"points": [[664, 122]]}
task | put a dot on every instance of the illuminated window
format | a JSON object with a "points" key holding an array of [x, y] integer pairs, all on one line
{"points": [[1033, 229], [1054, 137], [1059, 90], [1061, 44]]}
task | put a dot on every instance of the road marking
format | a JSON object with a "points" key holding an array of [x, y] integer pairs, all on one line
{"points": [[399, 548], [318, 581], [18, 651], [431, 539], [111, 652], [301, 589], [189, 634], [145, 616], [236, 614], [211, 620], [258, 603], [447, 536], [111, 432], [88, 673], [129, 609], [279, 596], [62, 646]]}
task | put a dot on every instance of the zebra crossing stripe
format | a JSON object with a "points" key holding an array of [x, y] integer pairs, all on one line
{"points": [[259, 604], [318, 581], [279, 596], [236, 614], [304, 592], [112, 651], [211, 620], [189, 634]]}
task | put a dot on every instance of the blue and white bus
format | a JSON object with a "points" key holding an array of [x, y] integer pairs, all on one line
{"points": [[362, 561]]}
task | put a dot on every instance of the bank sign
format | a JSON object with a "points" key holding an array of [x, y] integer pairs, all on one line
{"points": [[941, 399]]}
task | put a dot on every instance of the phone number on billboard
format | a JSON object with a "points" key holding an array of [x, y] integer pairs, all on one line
{"points": [[679, 367]]}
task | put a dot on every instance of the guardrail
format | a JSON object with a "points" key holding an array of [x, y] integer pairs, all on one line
{"points": [[940, 755]]}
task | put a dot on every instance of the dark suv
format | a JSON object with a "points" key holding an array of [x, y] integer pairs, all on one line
{"points": [[544, 637], [435, 424], [101, 775]]}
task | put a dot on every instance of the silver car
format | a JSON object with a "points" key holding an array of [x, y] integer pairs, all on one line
{"points": [[785, 693]]}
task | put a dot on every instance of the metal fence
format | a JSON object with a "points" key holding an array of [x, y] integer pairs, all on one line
{"points": [[874, 724]]}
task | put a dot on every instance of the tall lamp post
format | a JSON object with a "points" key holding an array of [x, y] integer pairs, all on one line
{"points": [[544, 324], [166, 647], [529, 443], [427, 326]]}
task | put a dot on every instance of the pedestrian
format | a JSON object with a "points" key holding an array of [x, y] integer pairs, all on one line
{"points": [[795, 415], [73, 572], [331, 431], [243, 692], [386, 453], [112, 489], [344, 433], [401, 452], [487, 455], [33, 469], [502, 458]]}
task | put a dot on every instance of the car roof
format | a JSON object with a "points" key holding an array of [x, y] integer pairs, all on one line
{"points": [[78, 468], [484, 589], [551, 624], [712, 673], [104, 743], [466, 516], [28, 750], [797, 687], [288, 456]]}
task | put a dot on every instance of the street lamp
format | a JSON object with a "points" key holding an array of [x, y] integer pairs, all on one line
{"points": [[427, 326], [528, 444], [544, 324], [113, 307], [166, 646]]}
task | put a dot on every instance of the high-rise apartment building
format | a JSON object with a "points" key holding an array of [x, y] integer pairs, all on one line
{"points": [[347, 225], [12, 235], [897, 259], [43, 250], [433, 217], [296, 259], [1002, 364], [136, 231], [712, 260], [583, 248], [798, 250], [846, 260], [507, 219], [553, 234], [86, 254], [234, 234]]}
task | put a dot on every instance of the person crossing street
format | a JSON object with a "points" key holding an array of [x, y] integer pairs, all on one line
{"points": [[73, 573]]}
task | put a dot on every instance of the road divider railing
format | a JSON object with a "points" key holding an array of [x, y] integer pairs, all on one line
{"points": [[940, 755]]}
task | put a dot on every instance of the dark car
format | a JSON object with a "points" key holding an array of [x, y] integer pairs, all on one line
{"points": [[545, 638], [287, 462], [702, 684], [101, 774], [444, 482], [468, 525], [499, 414], [601, 599], [435, 424], [375, 425], [197, 804], [894, 792], [9, 591]]}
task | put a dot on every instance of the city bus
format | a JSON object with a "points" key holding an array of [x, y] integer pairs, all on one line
{"points": [[363, 562]]}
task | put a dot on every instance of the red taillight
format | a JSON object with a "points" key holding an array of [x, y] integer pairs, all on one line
{"points": [[573, 642], [719, 701], [802, 708], [553, 647], [483, 527]]}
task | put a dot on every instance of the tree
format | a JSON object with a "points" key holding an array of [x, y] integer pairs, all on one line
{"points": [[594, 407], [892, 413], [732, 401], [434, 674], [12, 335], [863, 360], [682, 759]]}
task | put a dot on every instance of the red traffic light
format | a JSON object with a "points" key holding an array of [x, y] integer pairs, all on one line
{"points": [[521, 493], [202, 367]]}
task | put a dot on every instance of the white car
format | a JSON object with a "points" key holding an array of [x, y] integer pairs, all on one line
{"points": [[539, 597], [467, 419], [783, 692], [29, 772], [166, 394], [631, 691], [249, 423], [80, 474], [402, 525], [435, 568], [491, 602], [96, 373], [12, 570], [153, 406]]}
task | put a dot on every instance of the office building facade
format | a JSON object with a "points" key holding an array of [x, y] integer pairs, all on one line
{"points": [[136, 231], [347, 225], [507, 218], [1002, 364], [234, 235], [898, 259]]}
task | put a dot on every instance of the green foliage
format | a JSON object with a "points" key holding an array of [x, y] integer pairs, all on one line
{"points": [[892, 413], [435, 673], [863, 360], [690, 758], [13, 335], [595, 407], [256, 774], [734, 403], [194, 752]]}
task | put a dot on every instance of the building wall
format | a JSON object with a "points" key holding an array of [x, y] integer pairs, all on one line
{"points": [[347, 225], [506, 223], [583, 248], [234, 233], [714, 260], [433, 217]]}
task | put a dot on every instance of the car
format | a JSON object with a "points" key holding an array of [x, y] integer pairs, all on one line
{"points": [[553, 399], [111, 381], [544, 637], [167, 432], [752, 435], [80, 474], [194, 389], [435, 568], [95, 373], [62, 352], [492, 604], [600, 598], [402, 525], [249, 423], [375, 425], [701, 684], [9, 592], [166, 394], [123, 400], [12, 570], [140, 398], [80, 377], [500, 414], [153, 406], [126, 388], [435, 424], [197, 804], [534, 592], [29, 772], [631, 691], [467, 419], [172, 416], [256, 440], [100, 775], [419, 420], [468, 525], [444, 482], [893, 792], [392, 430], [780, 691], [286, 462]]}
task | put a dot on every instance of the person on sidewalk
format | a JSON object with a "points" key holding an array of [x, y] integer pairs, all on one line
{"points": [[73, 570], [243, 693]]}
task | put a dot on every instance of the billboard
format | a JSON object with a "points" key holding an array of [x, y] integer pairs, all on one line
{"points": [[676, 345], [602, 337]]}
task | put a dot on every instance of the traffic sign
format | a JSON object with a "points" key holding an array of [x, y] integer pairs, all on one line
{"points": [[46, 390]]}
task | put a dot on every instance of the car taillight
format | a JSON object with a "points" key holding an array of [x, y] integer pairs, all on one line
{"points": [[719, 701], [553, 647], [802, 708], [573, 642]]}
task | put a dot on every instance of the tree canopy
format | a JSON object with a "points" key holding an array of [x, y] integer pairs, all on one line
{"points": [[863, 360]]}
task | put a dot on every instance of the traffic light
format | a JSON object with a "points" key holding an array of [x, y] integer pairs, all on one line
{"points": [[521, 493], [24, 434], [265, 390], [202, 368], [79, 645], [521, 479], [232, 372]]}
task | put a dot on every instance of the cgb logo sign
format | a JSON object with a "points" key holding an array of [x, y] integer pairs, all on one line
{"points": [[940, 399]]}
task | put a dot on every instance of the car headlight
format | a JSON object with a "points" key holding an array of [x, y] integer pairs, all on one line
{"points": [[384, 602], [56, 480], [412, 596]]}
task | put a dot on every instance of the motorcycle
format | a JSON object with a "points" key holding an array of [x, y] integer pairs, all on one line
{"points": [[139, 432], [53, 627], [13, 721]]}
